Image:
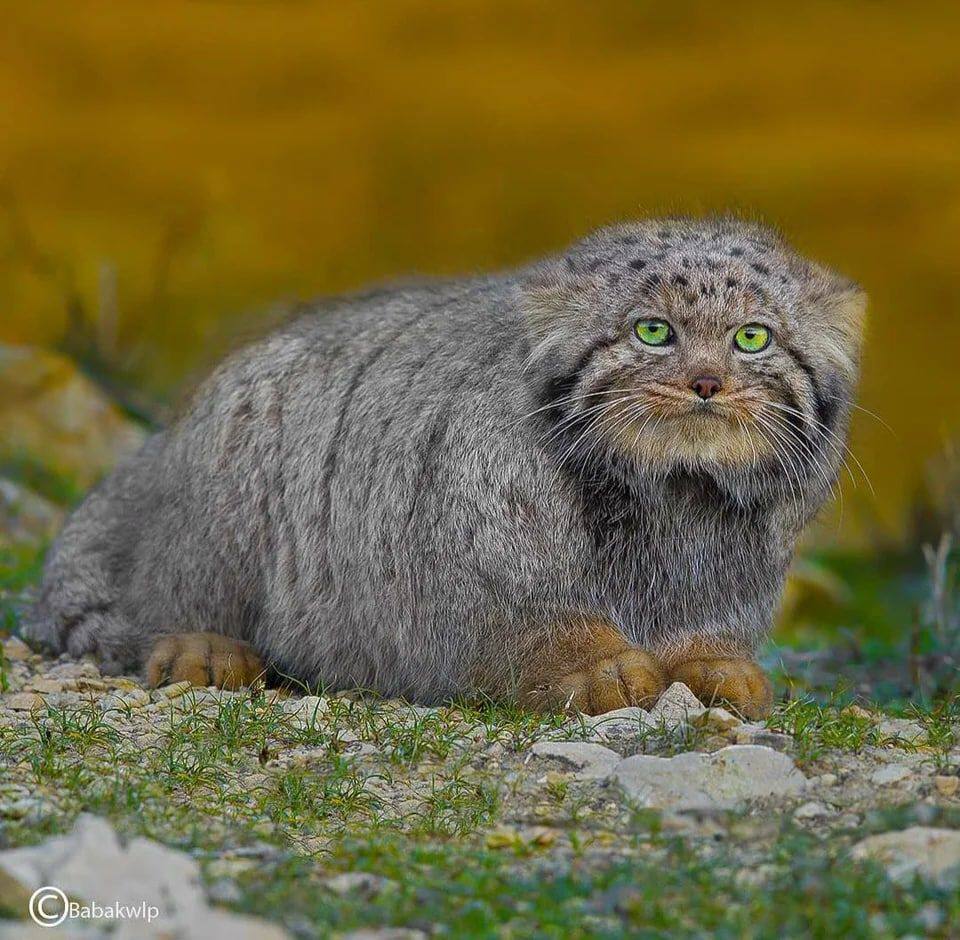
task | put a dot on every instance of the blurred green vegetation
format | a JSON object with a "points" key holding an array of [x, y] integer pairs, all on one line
{"points": [[166, 171], [882, 622]]}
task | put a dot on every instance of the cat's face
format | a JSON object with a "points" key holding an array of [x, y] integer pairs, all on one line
{"points": [[707, 345]]}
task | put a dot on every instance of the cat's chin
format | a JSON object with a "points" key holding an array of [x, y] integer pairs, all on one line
{"points": [[747, 486], [698, 438], [704, 447]]}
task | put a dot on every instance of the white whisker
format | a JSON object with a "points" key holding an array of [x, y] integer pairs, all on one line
{"points": [[792, 474], [865, 411], [610, 419], [570, 399], [803, 446], [840, 446]]}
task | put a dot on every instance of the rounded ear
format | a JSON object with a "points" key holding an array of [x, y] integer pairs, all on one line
{"points": [[837, 308], [560, 306], [848, 304], [545, 296]]}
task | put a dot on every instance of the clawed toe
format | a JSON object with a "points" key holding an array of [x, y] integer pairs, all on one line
{"points": [[203, 659], [630, 678], [740, 683]]}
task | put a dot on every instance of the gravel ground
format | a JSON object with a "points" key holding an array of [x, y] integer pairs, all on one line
{"points": [[300, 809]]}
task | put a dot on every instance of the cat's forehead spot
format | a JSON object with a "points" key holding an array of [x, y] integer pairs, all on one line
{"points": [[702, 265], [705, 275], [710, 299], [707, 281]]}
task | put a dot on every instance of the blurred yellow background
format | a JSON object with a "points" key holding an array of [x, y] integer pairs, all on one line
{"points": [[178, 166]]}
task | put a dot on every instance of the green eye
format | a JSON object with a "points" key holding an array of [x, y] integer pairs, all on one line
{"points": [[654, 332], [752, 338]]}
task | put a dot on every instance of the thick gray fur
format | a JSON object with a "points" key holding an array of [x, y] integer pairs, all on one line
{"points": [[400, 490]]}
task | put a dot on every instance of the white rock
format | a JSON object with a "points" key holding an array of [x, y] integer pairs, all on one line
{"points": [[28, 930], [933, 854], [902, 729], [676, 706], [890, 774], [90, 863], [358, 883], [415, 712], [125, 700], [724, 779], [44, 686], [209, 922], [621, 723], [91, 866], [22, 701], [849, 820], [812, 810], [15, 650], [73, 670], [589, 761], [717, 719]]}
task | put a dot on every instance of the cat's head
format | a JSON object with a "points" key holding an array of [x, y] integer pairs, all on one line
{"points": [[705, 345]]}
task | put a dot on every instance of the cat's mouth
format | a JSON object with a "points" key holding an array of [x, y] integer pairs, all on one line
{"points": [[698, 412], [674, 428], [706, 409]]}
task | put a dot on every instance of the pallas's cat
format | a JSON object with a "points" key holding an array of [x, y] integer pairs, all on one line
{"points": [[568, 484]]}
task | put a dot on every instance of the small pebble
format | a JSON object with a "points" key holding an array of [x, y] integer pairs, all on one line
{"points": [[15, 650], [811, 810], [717, 719], [756, 734], [46, 686], [23, 701], [307, 711], [892, 773], [946, 785], [131, 698]]}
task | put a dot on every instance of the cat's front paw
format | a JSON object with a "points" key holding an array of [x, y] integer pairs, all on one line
{"points": [[203, 659], [631, 677], [737, 682]]}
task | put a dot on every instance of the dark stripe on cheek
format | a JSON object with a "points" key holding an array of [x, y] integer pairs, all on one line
{"points": [[561, 387], [795, 421], [555, 392], [825, 408], [833, 398], [584, 360]]}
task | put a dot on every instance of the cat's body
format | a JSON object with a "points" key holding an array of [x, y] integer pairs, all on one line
{"points": [[396, 491]]}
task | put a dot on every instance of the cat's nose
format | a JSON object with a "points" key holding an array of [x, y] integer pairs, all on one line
{"points": [[706, 386]]}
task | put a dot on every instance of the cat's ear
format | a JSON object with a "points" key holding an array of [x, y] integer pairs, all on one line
{"points": [[555, 300], [837, 309], [546, 296], [842, 300]]}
